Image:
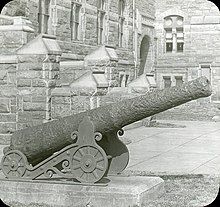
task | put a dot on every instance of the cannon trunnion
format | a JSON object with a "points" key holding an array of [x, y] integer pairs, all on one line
{"points": [[85, 147]]}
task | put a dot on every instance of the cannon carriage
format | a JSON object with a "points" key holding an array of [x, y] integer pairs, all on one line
{"points": [[85, 147], [83, 161]]}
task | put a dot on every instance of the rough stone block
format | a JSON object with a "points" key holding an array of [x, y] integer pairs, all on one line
{"points": [[31, 58], [29, 74], [5, 139], [60, 111], [3, 74], [36, 122], [8, 91], [7, 128], [13, 101], [39, 99], [6, 117], [12, 78], [38, 91], [120, 192], [13, 109], [38, 83], [24, 116], [23, 82], [38, 115], [10, 67], [27, 98], [4, 106], [61, 100], [3, 82], [30, 116], [24, 125], [30, 66], [34, 106]]}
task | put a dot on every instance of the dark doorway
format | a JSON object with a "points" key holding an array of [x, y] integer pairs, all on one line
{"points": [[144, 49]]}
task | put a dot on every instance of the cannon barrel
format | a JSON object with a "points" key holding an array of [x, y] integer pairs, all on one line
{"points": [[39, 142]]}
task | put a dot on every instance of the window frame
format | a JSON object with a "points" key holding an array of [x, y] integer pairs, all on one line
{"points": [[44, 8], [121, 20], [176, 33], [100, 22], [75, 20], [178, 77], [166, 77]]}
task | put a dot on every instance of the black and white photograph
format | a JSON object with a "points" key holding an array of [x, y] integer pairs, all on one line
{"points": [[109, 103]]}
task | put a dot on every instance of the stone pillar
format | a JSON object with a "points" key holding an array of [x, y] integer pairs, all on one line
{"points": [[14, 36], [7, 97], [37, 72]]}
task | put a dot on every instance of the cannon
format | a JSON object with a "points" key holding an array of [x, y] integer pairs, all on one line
{"points": [[85, 147]]}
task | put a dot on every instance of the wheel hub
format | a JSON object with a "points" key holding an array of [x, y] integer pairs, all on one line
{"points": [[14, 165], [88, 163]]}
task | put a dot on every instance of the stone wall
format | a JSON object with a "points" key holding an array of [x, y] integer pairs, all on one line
{"points": [[8, 99], [26, 81], [201, 36], [64, 103], [76, 50], [59, 23], [34, 86], [201, 42]]}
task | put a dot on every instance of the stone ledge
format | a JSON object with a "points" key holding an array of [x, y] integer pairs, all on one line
{"points": [[120, 192]]}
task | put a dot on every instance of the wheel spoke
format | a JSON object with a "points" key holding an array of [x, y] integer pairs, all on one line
{"points": [[88, 150], [87, 176], [77, 158], [9, 170], [99, 167], [81, 152], [76, 167], [82, 174], [95, 174], [14, 156], [97, 152], [20, 158], [100, 159], [20, 165], [6, 164], [20, 172]]}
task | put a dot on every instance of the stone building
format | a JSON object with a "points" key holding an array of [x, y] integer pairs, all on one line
{"points": [[81, 27], [60, 57], [51, 48], [188, 46], [188, 40]]}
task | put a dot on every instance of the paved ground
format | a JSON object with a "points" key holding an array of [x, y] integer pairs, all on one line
{"points": [[194, 149]]}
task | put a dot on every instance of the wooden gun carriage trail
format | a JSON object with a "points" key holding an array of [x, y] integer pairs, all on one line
{"points": [[85, 147]]}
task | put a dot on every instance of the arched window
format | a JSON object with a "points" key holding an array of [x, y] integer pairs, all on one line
{"points": [[174, 38]]}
